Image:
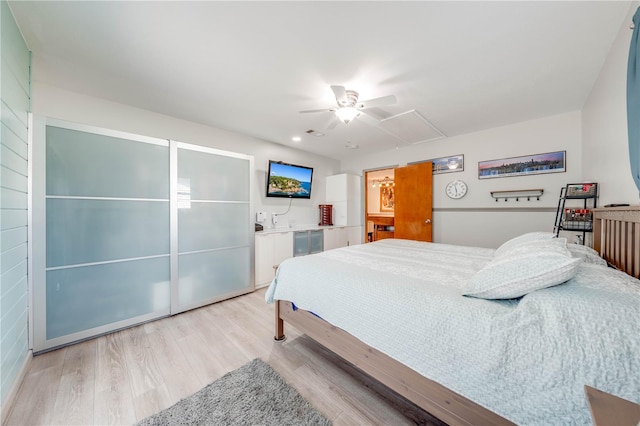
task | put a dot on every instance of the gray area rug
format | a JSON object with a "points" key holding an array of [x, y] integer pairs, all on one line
{"points": [[254, 394]]}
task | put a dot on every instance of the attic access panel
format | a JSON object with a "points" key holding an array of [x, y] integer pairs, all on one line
{"points": [[411, 127]]}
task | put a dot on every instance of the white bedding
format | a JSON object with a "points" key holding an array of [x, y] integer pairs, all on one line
{"points": [[526, 359]]}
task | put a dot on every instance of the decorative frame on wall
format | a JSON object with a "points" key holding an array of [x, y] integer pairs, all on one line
{"points": [[387, 198], [548, 162], [450, 164]]}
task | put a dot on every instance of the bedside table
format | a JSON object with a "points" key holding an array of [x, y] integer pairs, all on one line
{"points": [[608, 410]]}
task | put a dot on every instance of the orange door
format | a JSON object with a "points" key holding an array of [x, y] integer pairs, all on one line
{"points": [[413, 202]]}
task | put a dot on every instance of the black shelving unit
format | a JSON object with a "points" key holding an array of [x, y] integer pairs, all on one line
{"points": [[576, 218]]}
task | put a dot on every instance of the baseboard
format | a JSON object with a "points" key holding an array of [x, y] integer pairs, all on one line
{"points": [[7, 405]]}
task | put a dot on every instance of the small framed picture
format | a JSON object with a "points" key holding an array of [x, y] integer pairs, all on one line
{"points": [[451, 164], [387, 198]]}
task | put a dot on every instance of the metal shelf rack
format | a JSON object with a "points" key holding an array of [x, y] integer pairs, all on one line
{"points": [[575, 218]]}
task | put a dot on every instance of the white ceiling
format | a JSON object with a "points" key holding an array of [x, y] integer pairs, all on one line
{"points": [[251, 66]]}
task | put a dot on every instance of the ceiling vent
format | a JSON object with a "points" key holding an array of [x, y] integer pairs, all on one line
{"points": [[411, 127], [315, 133]]}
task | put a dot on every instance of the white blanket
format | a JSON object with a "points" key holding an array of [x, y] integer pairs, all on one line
{"points": [[526, 359]]}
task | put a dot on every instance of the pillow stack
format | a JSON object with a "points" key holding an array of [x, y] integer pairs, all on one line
{"points": [[524, 264]]}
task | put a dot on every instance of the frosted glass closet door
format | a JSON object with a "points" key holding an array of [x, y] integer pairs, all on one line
{"points": [[215, 238], [106, 262]]}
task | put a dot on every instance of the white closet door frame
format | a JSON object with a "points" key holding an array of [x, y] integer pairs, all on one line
{"points": [[173, 197], [37, 225], [37, 232]]}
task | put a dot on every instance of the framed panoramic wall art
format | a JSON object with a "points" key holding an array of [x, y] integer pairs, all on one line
{"points": [[549, 162]]}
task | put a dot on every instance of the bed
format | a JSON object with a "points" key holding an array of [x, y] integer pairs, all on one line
{"points": [[429, 321], [616, 237]]}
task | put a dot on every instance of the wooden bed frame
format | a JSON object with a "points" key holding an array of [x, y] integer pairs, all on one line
{"points": [[616, 236], [448, 406]]}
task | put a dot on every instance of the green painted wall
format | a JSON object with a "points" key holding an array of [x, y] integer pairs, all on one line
{"points": [[15, 62]]}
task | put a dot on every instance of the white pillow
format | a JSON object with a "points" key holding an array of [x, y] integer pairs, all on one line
{"points": [[587, 254], [525, 268], [555, 245], [523, 239]]}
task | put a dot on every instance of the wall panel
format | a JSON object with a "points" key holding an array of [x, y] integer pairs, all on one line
{"points": [[16, 143], [14, 95], [14, 108]]}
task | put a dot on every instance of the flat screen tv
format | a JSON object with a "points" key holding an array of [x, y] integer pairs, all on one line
{"points": [[288, 180]]}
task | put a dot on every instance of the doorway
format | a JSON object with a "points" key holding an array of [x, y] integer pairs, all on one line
{"points": [[380, 204], [399, 203]]}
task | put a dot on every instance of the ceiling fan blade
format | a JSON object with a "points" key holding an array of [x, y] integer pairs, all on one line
{"points": [[341, 94], [332, 123], [368, 119], [377, 102], [317, 110]]}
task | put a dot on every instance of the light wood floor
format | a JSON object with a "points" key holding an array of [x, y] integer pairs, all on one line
{"points": [[123, 377]]}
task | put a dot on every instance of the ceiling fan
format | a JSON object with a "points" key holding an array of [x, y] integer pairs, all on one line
{"points": [[349, 107]]}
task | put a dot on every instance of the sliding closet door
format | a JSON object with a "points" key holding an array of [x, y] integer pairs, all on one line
{"points": [[214, 243], [128, 228], [106, 222]]}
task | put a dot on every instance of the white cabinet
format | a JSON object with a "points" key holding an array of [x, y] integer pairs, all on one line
{"points": [[308, 242], [344, 193], [342, 236], [336, 237], [271, 249], [355, 235]]}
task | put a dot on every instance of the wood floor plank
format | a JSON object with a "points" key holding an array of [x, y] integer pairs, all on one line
{"points": [[47, 360], [351, 419], [314, 386], [367, 404], [139, 371], [218, 343], [74, 403], [206, 367], [113, 397], [36, 398], [150, 393], [251, 341], [178, 375]]}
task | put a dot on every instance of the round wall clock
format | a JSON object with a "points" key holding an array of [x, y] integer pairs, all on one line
{"points": [[456, 189]]}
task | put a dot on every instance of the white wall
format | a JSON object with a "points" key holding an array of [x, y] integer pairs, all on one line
{"points": [[472, 219], [604, 125], [54, 102]]}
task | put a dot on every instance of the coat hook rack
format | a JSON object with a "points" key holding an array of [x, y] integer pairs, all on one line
{"points": [[517, 194]]}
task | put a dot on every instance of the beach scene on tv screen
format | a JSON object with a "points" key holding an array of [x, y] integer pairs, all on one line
{"points": [[289, 181]]}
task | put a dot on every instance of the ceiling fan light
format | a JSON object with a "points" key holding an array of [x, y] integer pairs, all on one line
{"points": [[346, 114]]}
